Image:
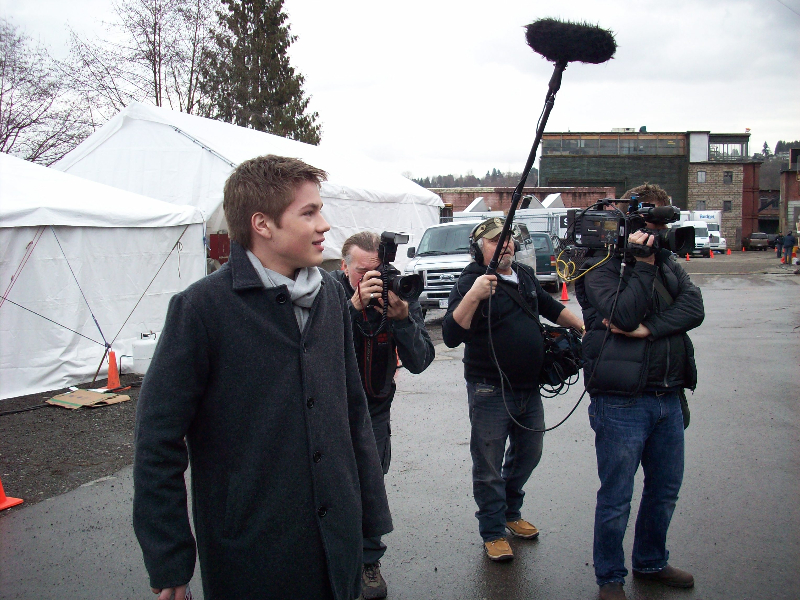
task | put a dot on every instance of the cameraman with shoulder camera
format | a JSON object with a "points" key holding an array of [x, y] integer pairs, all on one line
{"points": [[405, 333], [501, 334], [638, 308]]}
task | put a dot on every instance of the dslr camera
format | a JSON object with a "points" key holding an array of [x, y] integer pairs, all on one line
{"points": [[603, 226], [407, 287]]}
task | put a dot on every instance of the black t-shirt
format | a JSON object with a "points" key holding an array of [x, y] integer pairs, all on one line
{"points": [[515, 336]]}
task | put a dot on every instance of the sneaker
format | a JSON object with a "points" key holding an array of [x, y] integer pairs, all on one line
{"points": [[498, 550], [612, 591], [669, 575], [522, 529], [373, 585]]}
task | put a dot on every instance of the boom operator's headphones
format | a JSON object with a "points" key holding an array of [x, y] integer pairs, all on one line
{"points": [[489, 228]]}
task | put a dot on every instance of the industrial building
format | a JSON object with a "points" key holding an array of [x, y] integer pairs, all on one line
{"points": [[700, 170]]}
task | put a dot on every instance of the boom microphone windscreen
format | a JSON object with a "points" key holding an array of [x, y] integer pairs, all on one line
{"points": [[563, 42]]}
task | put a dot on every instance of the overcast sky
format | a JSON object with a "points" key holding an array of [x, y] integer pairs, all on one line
{"points": [[434, 87]]}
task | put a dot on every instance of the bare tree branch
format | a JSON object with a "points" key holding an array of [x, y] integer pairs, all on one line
{"points": [[39, 120], [157, 61]]}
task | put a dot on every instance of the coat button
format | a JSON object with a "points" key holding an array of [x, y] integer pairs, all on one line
{"points": [[305, 349], [322, 511], [317, 456], [310, 403], [281, 298]]}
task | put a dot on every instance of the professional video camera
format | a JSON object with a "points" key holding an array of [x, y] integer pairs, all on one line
{"points": [[604, 226], [407, 287]]}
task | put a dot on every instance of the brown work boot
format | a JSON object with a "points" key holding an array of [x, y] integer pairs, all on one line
{"points": [[373, 585], [498, 550], [612, 591], [669, 575], [522, 529]]}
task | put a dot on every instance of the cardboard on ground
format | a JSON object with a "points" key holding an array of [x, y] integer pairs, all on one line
{"points": [[86, 398]]}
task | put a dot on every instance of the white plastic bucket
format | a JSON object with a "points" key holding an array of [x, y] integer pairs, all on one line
{"points": [[143, 350]]}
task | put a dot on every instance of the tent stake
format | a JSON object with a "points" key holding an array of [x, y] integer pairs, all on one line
{"points": [[96, 373]]}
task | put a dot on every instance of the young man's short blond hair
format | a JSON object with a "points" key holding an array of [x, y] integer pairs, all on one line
{"points": [[649, 193], [265, 184]]}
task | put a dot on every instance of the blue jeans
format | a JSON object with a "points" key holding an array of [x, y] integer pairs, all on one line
{"points": [[499, 473], [646, 429]]}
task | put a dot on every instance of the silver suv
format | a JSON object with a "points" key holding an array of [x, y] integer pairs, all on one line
{"points": [[443, 253]]}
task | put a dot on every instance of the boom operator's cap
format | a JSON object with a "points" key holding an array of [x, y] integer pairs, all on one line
{"points": [[489, 229]]}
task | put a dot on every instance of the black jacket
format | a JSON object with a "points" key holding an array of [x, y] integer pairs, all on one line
{"points": [[285, 473], [408, 336], [516, 337], [664, 360]]}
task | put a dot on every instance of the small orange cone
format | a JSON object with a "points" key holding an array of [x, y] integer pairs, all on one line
{"points": [[783, 261], [729, 252], [687, 257], [113, 372], [711, 254], [5, 501], [564, 295], [742, 248]]}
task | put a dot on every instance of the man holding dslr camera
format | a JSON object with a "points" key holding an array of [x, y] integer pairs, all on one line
{"points": [[637, 309], [377, 349]]}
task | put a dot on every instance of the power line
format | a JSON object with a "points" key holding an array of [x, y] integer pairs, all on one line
{"points": [[789, 7]]}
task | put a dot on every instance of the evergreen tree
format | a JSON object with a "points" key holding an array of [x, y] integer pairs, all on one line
{"points": [[765, 150], [783, 146], [249, 78]]}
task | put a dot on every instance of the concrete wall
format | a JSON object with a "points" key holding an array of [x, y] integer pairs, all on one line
{"points": [[500, 198], [622, 172], [698, 146]]}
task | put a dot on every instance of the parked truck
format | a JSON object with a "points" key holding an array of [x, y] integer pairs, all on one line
{"points": [[713, 219], [443, 252]]}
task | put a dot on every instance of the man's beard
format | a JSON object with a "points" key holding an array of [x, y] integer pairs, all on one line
{"points": [[505, 262]]}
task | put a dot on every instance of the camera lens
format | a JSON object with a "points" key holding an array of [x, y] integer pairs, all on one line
{"points": [[408, 287]]}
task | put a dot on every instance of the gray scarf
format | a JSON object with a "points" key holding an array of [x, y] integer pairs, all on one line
{"points": [[303, 288]]}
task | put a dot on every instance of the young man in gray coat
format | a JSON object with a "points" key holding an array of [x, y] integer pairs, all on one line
{"points": [[255, 384]]}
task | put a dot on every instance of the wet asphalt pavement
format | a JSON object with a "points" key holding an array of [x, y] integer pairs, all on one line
{"points": [[736, 527]]}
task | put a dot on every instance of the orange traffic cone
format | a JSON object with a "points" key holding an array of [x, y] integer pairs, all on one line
{"points": [[742, 248], [711, 254], [729, 252], [5, 501], [687, 257], [783, 261], [564, 295], [113, 372]]}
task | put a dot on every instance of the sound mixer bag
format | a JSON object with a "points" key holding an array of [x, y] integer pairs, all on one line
{"points": [[563, 352], [562, 356]]}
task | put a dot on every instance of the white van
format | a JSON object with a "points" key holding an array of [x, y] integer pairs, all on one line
{"points": [[713, 219], [702, 244]]}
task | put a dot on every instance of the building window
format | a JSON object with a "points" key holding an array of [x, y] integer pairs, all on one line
{"points": [[727, 205], [701, 205], [727, 177], [701, 177]]}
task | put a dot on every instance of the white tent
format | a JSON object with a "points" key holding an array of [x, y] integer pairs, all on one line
{"points": [[185, 159], [72, 251]]}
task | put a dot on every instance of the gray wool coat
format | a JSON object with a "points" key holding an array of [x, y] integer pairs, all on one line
{"points": [[286, 480]]}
